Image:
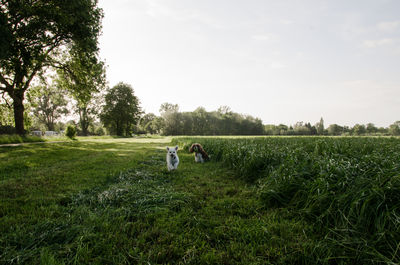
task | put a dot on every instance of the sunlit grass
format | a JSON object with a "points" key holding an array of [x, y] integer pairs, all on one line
{"points": [[113, 139], [85, 202], [10, 139], [17, 139]]}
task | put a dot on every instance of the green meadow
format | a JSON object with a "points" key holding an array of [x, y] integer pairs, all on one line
{"points": [[259, 200]]}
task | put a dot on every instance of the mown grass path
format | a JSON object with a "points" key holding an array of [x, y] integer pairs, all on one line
{"points": [[112, 201]]}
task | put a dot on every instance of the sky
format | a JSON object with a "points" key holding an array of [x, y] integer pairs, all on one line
{"points": [[281, 61]]}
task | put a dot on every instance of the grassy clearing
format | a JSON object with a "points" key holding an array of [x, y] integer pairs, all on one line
{"points": [[348, 189], [113, 202]]}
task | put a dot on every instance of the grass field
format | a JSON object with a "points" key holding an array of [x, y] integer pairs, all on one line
{"points": [[347, 188], [112, 201]]}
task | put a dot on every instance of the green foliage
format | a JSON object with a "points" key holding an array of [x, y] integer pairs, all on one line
{"points": [[36, 35], [85, 80], [201, 122], [70, 132], [49, 103], [13, 139], [7, 129], [347, 188], [359, 129], [335, 129], [145, 124], [301, 128], [96, 128], [371, 128], [394, 129], [168, 107], [6, 114], [121, 110], [320, 127]]}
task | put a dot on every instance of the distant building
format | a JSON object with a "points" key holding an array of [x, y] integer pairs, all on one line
{"points": [[36, 133], [50, 133]]}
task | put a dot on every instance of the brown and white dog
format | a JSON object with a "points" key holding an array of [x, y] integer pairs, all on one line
{"points": [[199, 154]]}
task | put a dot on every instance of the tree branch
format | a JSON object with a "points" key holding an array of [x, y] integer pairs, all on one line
{"points": [[7, 87], [5, 100], [37, 68]]}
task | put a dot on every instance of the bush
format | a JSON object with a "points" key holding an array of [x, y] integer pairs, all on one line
{"points": [[99, 131], [7, 129], [70, 132]]}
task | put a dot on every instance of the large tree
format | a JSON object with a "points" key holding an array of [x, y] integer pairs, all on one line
{"points": [[320, 127], [145, 122], [359, 129], [49, 104], [121, 111], [35, 34], [85, 78], [394, 129], [335, 129], [171, 119]]}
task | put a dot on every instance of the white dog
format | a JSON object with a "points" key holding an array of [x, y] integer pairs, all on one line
{"points": [[172, 158]]}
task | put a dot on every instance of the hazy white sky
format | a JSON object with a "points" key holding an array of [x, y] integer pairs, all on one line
{"points": [[282, 61]]}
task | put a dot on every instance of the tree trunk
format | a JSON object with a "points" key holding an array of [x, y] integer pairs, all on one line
{"points": [[19, 113], [84, 120]]}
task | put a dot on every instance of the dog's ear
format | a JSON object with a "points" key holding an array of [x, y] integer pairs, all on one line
{"points": [[167, 148], [176, 148]]}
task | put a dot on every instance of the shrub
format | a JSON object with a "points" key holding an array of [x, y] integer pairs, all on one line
{"points": [[70, 132], [7, 129]]}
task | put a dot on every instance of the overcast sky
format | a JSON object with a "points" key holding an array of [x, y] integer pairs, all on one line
{"points": [[281, 61]]}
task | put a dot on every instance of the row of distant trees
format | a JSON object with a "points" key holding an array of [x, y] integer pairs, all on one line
{"points": [[226, 122], [117, 111], [200, 122], [301, 128]]}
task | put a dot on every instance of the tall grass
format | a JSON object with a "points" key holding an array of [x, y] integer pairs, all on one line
{"points": [[347, 188]]}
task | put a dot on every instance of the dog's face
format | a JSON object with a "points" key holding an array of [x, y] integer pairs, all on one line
{"points": [[196, 148], [172, 152]]}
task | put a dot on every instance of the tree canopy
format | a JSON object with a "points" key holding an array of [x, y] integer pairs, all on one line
{"points": [[121, 111], [50, 103], [36, 35], [202, 122]]}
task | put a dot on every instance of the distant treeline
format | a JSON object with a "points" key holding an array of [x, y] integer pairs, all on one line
{"points": [[301, 128], [226, 122], [117, 111], [200, 122]]}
